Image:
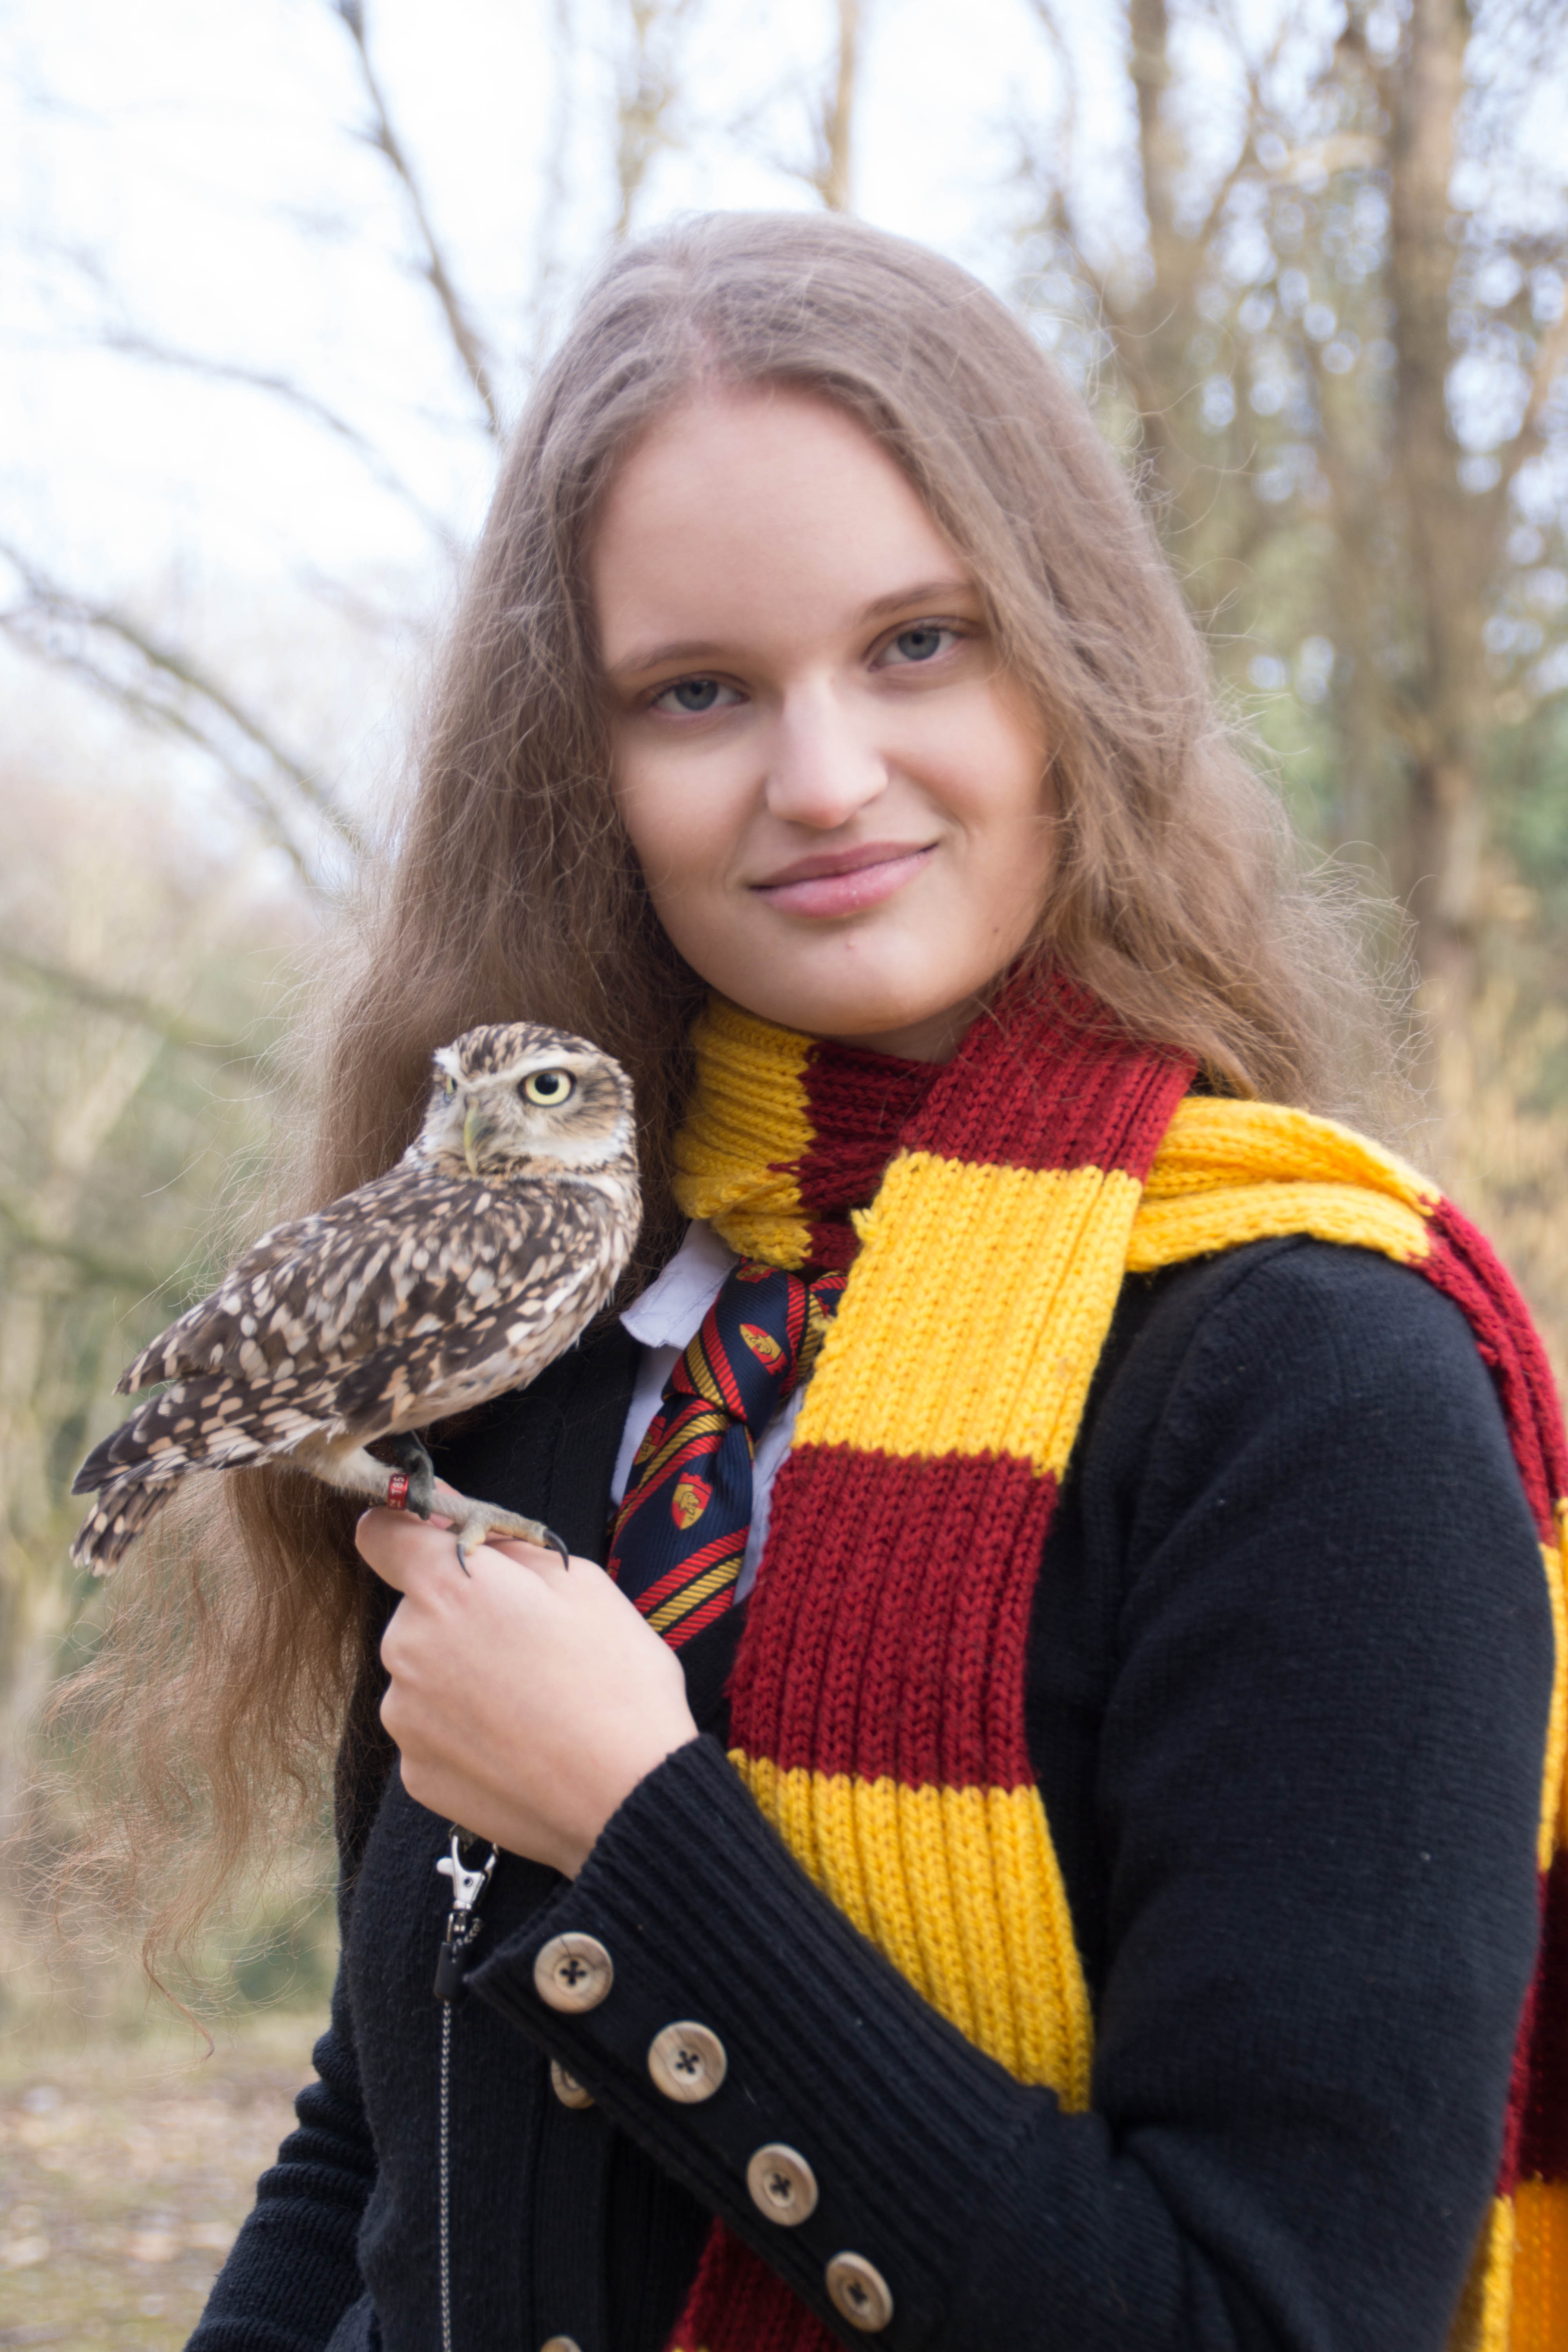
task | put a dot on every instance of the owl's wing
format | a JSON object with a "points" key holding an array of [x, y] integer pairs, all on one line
{"points": [[403, 1260]]}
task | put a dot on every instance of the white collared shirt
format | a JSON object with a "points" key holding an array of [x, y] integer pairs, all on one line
{"points": [[663, 1321]]}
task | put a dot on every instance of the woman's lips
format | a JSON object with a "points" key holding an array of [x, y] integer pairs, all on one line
{"points": [[823, 886]]}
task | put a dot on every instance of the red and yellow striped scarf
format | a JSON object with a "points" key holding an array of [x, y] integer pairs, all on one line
{"points": [[876, 1708]]}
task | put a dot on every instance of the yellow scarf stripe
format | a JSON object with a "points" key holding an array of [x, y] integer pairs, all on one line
{"points": [[960, 1889], [1482, 2322], [735, 1166], [1212, 1145], [1230, 1172], [1537, 2269], [992, 1289]]}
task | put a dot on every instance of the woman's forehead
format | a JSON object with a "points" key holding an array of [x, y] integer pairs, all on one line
{"points": [[741, 507]]}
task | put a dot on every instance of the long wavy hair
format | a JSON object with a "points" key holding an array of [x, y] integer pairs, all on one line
{"points": [[511, 892]]}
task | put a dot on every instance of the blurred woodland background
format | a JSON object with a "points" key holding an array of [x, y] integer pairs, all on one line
{"points": [[1308, 259]]}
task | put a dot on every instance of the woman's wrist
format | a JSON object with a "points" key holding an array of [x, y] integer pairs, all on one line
{"points": [[624, 1771]]}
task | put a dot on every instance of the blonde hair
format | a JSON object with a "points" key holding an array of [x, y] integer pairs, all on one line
{"points": [[513, 893]]}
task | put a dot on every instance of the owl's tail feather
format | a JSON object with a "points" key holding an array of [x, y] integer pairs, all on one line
{"points": [[208, 1424], [120, 1514]]}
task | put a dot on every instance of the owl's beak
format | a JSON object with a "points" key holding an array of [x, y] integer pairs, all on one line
{"points": [[477, 1132]]}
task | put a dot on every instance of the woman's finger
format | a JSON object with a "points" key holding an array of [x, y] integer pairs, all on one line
{"points": [[533, 1557], [400, 1548]]}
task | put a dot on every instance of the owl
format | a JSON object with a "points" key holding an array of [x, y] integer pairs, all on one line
{"points": [[463, 1270]]}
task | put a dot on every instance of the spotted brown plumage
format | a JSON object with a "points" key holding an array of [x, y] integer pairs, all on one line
{"points": [[463, 1270]]}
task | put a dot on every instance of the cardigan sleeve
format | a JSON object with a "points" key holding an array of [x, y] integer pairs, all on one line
{"points": [[1317, 1792]]}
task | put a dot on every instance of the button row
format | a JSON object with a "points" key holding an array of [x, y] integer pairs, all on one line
{"points": [[687, 2062]]}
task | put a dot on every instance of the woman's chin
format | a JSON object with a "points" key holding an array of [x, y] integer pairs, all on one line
{"points": [[882, 1021]]}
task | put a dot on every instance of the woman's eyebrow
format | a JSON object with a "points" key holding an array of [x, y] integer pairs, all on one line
{"points": [[700, 649], [641, 657], [923, 591]]}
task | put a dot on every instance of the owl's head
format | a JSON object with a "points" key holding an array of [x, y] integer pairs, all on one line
{"points": [[520, 1100]]}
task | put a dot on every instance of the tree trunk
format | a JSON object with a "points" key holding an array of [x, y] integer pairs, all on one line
{"points": [[1445, 697]]}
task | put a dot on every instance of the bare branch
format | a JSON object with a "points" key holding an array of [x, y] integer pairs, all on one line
{"points": [[52, 600], [548, 270], [1061, 48], [837, 117], [647, 89], [466, 340], [292, 395], [126, 1003], [1551, 357], [259, 806]]}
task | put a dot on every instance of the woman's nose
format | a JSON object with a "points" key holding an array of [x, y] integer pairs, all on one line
{"points": [[821, 769]]}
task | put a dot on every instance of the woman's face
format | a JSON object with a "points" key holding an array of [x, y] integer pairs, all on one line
{"points": [[836, 796]]}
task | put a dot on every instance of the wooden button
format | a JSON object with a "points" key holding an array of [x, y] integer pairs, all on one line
{"points": [[687, 2061], [567, 2088], [782, 2183], [572, 1972], [860, 2293]]}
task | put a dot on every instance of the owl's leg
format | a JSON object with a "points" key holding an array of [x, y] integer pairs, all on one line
{"points": [[414, 1454], [357, 1472], [473, 1523]]}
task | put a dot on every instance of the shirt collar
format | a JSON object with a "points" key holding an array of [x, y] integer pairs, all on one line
{"points": [[669, 1312]]}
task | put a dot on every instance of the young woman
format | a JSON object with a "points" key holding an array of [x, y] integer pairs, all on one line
{"points": [[1034, 1841]]}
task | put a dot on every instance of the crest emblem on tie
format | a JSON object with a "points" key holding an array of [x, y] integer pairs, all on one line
{"points": [[762, 1345], [691, 1498]]}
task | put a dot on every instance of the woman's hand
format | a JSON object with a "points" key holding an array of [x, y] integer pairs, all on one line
{"points": [[527, 1700]]}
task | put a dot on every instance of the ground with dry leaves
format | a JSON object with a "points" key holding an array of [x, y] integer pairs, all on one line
{"points": [[125, 2172]]}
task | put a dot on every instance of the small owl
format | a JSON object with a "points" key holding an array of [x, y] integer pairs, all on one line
{"points": [[463, 1270]]}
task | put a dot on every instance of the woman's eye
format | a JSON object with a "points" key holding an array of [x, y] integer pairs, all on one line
{"points": [[921, 643], [692, 697], [548, 1088]]}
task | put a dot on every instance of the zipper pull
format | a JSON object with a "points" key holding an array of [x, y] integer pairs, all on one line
{"points": [[462, 1920]]}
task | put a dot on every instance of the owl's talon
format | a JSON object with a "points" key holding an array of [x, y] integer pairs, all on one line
{"points": [[475, 1523]]}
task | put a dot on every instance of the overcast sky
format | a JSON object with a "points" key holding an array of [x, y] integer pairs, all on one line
{"points": [[189, 175]]}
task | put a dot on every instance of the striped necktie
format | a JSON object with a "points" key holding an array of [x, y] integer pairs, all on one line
{"points": [[679, 1536]]}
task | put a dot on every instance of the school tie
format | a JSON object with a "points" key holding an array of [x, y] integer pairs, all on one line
{"points": [[679, 1536]]}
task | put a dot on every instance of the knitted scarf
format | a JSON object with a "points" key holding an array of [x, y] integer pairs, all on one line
{"points": [[876, 1706]]}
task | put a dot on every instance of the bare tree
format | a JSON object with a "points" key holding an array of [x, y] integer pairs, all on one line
{"points": [[648, 85], [434, 265], [123, 659], [833, 172], [1294, 348], [124, 1115]]}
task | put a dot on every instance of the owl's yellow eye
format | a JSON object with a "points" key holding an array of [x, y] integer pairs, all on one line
{"points": [[548, 1088]]}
